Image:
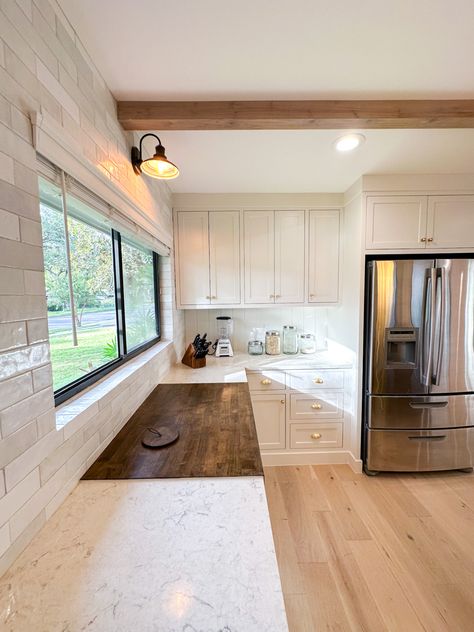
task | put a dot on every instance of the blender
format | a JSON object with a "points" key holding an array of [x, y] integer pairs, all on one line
{"points": [[225, 329]]}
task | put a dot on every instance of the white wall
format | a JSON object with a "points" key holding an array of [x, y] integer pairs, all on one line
{"points": [[44, 67]]}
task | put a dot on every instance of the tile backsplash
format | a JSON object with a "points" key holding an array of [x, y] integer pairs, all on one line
{"points": [[306, 318]]}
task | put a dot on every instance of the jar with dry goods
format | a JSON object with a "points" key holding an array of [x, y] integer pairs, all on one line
{"points": [[272, 342]]}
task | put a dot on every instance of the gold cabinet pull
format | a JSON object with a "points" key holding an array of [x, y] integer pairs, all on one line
{"points": [[315, 435], [423, 239], [266, 382], [318, 380], [282, 401], [430, 239], [213, 297], [316, 406]]}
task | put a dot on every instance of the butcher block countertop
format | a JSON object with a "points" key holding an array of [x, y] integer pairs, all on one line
{"points": [[217, 436]]}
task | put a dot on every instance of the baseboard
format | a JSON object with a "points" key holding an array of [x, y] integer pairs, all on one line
{"points": [[312, 458]]}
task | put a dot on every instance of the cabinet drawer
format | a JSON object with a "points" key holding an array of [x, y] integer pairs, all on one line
{"points": [[312, 380], [266, 381], [327, 404], [314, 436]]}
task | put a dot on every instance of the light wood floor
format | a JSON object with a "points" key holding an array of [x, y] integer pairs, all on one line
{"points": [[389, 553]]}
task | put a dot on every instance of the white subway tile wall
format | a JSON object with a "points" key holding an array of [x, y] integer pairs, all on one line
{"points": [[306, 318], [44, 66]]}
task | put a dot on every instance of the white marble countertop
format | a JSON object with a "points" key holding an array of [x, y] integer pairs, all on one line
{"points": [[187, 555], [233, 369]]}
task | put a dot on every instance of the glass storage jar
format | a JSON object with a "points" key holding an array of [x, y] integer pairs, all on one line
{"points": [[307, 343], [290, 340], [272, 342], [255, 347]]}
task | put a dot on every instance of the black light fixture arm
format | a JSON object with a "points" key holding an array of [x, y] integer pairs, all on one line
{"points": [[143, 137]]}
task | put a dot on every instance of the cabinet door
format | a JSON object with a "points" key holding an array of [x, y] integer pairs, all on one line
{"points": [[224, 249], [450, 221], [259, 256], [396, 221], [289, 257], [269, 413], [323, 277], [193, 258]]}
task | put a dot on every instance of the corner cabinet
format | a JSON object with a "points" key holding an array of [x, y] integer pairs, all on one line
{"points": [[256, 258], [207, 258], [419, 222]]}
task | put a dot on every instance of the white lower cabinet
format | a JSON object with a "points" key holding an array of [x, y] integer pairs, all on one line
{"points": [[298, 410], [269, 413]]}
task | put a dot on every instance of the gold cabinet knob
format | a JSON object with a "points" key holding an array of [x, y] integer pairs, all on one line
{"points": [[213, 297], [315, 435], [316, 406], [423, 239], [282, 401], [318, 380], [272, 295], [312, 295], [266, 382], [430, 239], [208, 298]]}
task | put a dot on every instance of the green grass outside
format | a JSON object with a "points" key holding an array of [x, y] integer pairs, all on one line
{"points": [[70, 363]]}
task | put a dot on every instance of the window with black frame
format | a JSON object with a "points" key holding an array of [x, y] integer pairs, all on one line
{"points": [[102, 291]]}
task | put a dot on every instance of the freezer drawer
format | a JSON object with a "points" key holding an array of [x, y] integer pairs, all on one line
{"points": [[420, 450], [427, 411]]}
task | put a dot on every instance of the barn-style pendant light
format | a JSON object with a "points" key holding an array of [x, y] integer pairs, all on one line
{"points": [[158, 166]]}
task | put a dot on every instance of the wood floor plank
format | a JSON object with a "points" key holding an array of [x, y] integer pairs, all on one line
{"points": [[359, 605], [327, 609], [298, 612], [307, 540], [350, 523], [292, 582], [395, 609]]}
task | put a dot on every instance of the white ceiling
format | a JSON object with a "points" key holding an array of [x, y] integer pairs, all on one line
{"points": [[273, 49]]}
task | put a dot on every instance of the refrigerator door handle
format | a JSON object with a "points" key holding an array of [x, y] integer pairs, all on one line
{"points": [[441, 274], [429, 289]]}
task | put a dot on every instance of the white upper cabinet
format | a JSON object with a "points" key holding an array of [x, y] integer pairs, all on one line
{"points": [[450, 221], [323, 273], [193, 258], [256, 257], [259, 256], [224, 249], [289, 257], [396, 221], [420, 221], [208, 258]]}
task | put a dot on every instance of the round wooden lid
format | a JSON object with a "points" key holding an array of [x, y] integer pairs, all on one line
{"points": [[160, 436]]}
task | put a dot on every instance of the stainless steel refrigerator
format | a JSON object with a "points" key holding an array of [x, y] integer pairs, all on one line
{"points": [[419, 365]]}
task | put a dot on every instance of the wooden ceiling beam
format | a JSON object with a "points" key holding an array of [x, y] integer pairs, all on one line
{"points": [[248, 115]]}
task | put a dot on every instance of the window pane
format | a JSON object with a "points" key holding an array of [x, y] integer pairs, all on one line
{"points": [[139, 294], [93, 287]]}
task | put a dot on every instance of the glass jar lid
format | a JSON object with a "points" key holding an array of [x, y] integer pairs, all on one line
{"points": [[272, 332]]}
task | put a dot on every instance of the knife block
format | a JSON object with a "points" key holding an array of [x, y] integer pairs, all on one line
{"points": [[190, 360]]}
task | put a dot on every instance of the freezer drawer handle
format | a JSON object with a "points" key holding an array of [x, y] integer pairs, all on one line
{"points": [[431, 438], [428, 404]]}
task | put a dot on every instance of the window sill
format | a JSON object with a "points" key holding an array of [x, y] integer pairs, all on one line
{"points": [[77, 411]]}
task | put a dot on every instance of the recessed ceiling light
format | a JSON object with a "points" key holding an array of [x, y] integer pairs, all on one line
{"points": [[349, 142]]}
